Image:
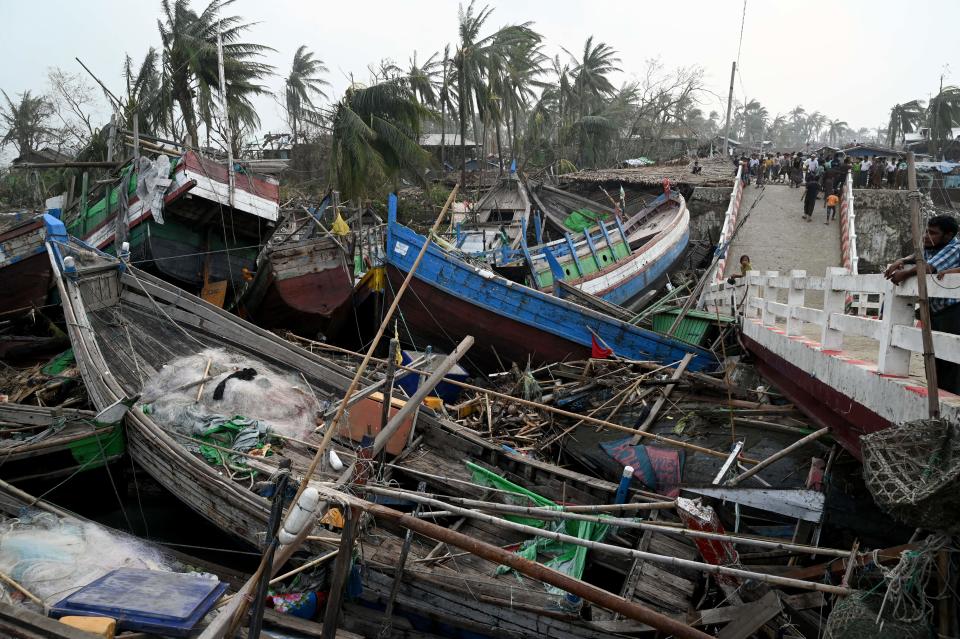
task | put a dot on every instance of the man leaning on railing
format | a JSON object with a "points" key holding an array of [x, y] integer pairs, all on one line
{"points": [[942, 254]]}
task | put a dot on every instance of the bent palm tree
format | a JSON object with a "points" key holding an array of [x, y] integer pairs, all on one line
{"points": [[904, 118], [190, 60], [943, 113], [472, 62], [302, 86], [375, 135], [26, 122]]}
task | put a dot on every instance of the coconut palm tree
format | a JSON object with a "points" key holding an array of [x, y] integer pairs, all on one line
{"points": [[26, 122], [375, 134], [424, 78], [904, 118], [518, 75], [943, 113], [302, 86], [147, 96], [592, 86], [190, 62], [472, 62], [447, 100], [835, 130]]}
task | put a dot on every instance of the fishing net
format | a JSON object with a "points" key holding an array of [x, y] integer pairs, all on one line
{"points": [[241, 391], [855, 617], [912, 471], [52, 557], [892, 602]]}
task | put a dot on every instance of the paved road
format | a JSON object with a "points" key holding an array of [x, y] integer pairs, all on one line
{"points": [[776, 237]]}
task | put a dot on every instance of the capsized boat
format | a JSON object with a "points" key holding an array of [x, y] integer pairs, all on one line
{"points": [[134, 333], [304, 277], [183, 222], [509, 321]]}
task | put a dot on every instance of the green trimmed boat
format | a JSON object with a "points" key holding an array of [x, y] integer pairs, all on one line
{"points": [[179, 223]]}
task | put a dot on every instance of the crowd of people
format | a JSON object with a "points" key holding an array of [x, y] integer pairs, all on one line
{"points": [[817, 175]]}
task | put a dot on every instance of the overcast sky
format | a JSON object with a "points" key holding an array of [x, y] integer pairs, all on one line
{"points": [[848, 60]]}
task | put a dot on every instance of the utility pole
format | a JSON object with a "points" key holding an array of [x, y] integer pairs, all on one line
{"points": [[726, 128], [929, 362], [231, 178]]}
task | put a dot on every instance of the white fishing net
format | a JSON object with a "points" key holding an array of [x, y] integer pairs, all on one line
{"points": [[52, 557], [280, 402]]}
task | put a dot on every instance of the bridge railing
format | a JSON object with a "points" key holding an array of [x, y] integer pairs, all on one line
{"points": [[848, 227], [768, 298], [729, 226]]}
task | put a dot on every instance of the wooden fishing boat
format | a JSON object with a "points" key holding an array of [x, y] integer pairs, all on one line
{"points": [[557, 205], [24, 266], [499, 219], [126, 325], [42, 443], [303, 280], [600, 260], [510, 322], [180, 224]]}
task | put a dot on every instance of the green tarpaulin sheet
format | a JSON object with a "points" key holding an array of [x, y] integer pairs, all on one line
{"points": [[582, 219]]}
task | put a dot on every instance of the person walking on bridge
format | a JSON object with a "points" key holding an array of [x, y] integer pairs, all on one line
{"points": [[810, 195], [942, 253]]}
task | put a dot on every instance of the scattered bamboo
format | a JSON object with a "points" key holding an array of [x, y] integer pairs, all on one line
{"points": [[206, 371], [778, 455]]}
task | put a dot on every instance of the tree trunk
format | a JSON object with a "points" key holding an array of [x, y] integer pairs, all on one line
{"points": [[443, 133], [499, 148], [510, 129], [462, 108], [183, 97]]}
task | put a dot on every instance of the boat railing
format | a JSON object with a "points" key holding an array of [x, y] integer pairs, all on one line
{"points": [[778, 303]]}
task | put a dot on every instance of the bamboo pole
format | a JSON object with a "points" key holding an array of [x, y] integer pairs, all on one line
{"points": [[29, 595], [564, 413], [553, 515], [206, 371], [779, 455], [404, 520], [335, 422], [310, 564]]}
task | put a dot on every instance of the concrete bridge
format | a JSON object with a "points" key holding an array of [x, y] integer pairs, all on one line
{"points": [[843, 347]]}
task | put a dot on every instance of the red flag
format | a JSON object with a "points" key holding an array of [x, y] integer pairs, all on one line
{"points": [[597, 351]]}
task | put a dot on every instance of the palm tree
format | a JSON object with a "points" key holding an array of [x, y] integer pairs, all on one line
{"points": [[422, 79], [815, 123], [147, 96], [943, 113], [190, 60], [835, 129], [447, 102], [26, 122], [302, 87], [904, 118], [472, 63], [375, 133], [592, 84]]}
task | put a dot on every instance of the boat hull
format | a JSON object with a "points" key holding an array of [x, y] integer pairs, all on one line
{"points": [[452, 298], [24, 268], [847, 418]]}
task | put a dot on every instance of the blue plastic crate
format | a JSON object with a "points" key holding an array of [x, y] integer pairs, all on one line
{"points": [[165, 603]]}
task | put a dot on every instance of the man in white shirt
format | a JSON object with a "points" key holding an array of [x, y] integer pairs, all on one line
{"points": [[865, 172], [811, 165], [891, 173]]}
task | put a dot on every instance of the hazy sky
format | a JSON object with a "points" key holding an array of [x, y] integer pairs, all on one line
{"points": [[848, 60]]}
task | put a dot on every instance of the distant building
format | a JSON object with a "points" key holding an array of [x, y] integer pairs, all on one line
{"points": [[451, 144], [870, 150], [42, 156]]}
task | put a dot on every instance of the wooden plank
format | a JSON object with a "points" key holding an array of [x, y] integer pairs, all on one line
{"points": [[753, 617]]}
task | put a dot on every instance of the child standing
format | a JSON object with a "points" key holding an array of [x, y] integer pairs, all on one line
{"points": [[832, 202]]}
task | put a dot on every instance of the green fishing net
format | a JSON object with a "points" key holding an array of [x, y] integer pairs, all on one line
{"points": [[582, 219]]}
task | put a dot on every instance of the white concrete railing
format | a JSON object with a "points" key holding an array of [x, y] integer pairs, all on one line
{"points": [[848, 228], [895, 332], [729, 226]]}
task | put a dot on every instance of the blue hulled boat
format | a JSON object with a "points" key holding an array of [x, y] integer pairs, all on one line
{"points": [[450, 298]]}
